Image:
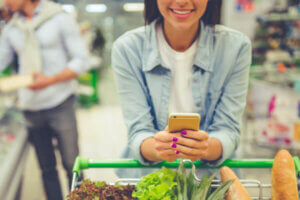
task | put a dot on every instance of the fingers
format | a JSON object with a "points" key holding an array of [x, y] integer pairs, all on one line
{"points": [[167, 152], [163, 145], [32, 87], [197, 135], [167, 128], [169, 155], [171, 158], [187, 144], [169, 143], [192, 158], [172, 148], [192, 143], [191, 151], [165, 136], [193, 139]]}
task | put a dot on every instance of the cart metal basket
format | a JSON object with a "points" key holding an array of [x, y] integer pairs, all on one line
{"points": [[83, 163]]}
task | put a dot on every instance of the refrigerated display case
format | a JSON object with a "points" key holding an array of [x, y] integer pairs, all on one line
{"points": [[276, 113], [13, 148]]}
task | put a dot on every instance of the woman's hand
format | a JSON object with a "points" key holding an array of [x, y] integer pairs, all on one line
{"points": [[195, 145], [165, 146], [160, 147], [192, 145]]}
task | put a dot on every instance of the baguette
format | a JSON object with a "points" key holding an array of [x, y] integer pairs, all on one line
{"points": [[284, 182], [15, 82], [236, 190]]}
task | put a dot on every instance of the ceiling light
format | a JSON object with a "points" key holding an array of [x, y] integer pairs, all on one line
{"points": [[134, 7], [68, 8], [96, 8]]}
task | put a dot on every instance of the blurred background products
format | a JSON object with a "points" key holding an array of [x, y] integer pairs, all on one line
{"points": [[272, 116]]}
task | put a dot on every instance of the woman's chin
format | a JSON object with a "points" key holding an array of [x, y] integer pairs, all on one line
{"points": [[182, 26]]}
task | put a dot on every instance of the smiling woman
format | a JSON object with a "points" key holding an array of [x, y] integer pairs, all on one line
{"points": [[211, 16], [182, 61]]}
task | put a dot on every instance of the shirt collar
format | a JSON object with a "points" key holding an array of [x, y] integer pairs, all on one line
{"points": [[152, 58], [38, 7]]}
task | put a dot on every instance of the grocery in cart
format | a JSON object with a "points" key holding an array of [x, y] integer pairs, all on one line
{"points": [[181, 185]]}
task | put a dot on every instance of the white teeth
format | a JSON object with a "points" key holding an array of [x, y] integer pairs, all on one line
{"points": [[181, 12]]}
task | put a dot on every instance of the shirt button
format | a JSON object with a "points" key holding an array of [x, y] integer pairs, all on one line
{"points": [[195, 80], [198, 104]]}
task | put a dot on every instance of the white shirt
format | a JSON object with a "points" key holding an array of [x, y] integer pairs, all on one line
{"points": [[181, 66], [61, 47]]}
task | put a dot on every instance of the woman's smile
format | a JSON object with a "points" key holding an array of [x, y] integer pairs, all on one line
{"points": [[181, 13]]}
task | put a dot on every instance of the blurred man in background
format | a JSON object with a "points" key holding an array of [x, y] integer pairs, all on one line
{"points": [[48, 45], [5, 14]]}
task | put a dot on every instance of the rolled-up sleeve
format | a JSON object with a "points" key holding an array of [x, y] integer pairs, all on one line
{"points": [[227, 118], [6, 50], [133, 98], [75, 46]]}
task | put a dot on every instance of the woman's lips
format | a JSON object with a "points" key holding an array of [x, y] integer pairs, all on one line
{"points": [[181, 13]]}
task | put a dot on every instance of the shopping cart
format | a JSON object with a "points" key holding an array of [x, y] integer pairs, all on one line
{"points": [[83, 163]]}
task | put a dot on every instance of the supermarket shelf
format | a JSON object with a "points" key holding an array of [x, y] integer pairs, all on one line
{"points": [[259, 97], [274, 17]]}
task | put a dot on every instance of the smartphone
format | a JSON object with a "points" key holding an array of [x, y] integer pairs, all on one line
{"points": [[184, 121]]}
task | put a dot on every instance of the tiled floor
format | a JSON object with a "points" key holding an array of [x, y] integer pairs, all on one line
{"points": [[103, 135]]}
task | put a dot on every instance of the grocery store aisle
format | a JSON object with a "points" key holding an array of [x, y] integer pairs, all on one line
{"points": [[102, 130], [102, 136]]}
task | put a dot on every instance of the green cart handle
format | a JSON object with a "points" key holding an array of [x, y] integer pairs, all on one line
{"points": [[85, 163]]}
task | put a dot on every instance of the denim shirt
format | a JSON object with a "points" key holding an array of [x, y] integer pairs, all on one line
{"points": [[219, 86]]}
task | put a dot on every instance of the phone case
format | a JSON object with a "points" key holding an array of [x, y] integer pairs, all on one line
{"points": [[180, 122]]}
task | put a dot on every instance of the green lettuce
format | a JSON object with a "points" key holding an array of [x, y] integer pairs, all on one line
{"points": [[158, 185], [167, 184]]}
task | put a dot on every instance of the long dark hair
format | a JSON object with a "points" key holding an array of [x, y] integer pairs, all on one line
{"points": [[211, 16]]}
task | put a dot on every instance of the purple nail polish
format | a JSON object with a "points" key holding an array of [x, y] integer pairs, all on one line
{"points": [[177, 152], [174, 145], [183, 132], [175, 139]]}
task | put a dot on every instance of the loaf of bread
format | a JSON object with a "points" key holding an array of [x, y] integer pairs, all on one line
{"points": [[284, 182], [15, 82], [236, 191]]}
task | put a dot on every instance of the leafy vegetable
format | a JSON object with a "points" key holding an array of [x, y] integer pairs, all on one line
{"points": [[204, 188], [158, 185], [221, 191], [165, 184], [189, 189], [90, 190]]}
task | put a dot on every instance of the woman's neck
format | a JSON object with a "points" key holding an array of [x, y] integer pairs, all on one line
{"points": [[180, 39], [28, 8]]}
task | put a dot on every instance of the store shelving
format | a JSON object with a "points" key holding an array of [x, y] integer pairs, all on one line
{"points": [[276, 17]]}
